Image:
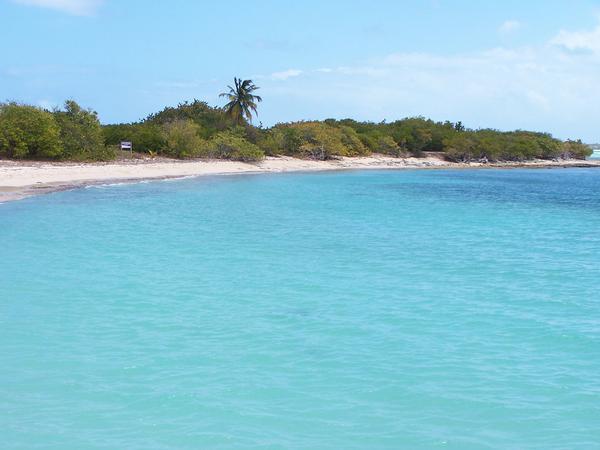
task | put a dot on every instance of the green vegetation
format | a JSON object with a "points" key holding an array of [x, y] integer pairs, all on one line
{"points": [[314, 140], [81, 134], [146, 137], [513, 146], [242, 103], [182, 139], [233, 145], [28, 132], [197, 130]]}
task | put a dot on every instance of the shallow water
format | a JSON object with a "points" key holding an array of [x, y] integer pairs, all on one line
{"points": [[394, 309]]}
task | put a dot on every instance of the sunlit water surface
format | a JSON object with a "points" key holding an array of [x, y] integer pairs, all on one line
{"points": [[354, 310]]}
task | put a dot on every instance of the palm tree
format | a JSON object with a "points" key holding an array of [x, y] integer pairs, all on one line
{"points": [[242, 102]]}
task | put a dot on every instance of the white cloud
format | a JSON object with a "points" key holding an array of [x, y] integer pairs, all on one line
{"points": [[509, 26], [290, 73], [74, 7], [579, 40], [539, 87]]}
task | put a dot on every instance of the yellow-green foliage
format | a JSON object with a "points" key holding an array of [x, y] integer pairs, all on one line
{"points": [[318, 140], [271, 143], [182, 139], [210, 119], [388, 146], [232, 145], [575, 149], [352, 143], [146, 136], [195, 129], [512, 146], [81, 134], [27, 132]]}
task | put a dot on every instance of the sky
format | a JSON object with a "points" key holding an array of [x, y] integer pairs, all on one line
{"points": [[491, 64]]}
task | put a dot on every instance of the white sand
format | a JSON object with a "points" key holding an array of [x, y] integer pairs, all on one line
{"points": [[20, 179]]}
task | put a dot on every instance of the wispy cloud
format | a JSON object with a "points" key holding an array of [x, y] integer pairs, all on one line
{"points": [[286, 74], [579, 40], [510, 26], [73, 7], [544, 87]]}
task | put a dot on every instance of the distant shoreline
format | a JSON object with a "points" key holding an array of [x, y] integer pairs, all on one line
{"points": [[22, 179]]}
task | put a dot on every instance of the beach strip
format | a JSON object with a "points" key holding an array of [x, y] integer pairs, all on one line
{"points": [[21, 179]]}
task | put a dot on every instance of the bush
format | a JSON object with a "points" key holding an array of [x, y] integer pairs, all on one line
{"points": [[414, 134], [550, 148], [352, 143], [146, 137], [231, 145], [291, 139], [388, 146], [271, 142], [575, 149], [81, 134], [494, 145], [194, 129], [182, 139], [461, 147], [27, 132], [318, 140], [211, 120]]}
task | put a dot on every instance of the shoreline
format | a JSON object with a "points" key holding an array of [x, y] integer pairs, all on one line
{"points": [[23, 179]]}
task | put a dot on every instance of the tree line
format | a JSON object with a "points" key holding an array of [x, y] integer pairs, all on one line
{"points": [[197, 130]]}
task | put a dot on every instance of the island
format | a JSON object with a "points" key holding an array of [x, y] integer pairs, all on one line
{"points": [[47, 150]]}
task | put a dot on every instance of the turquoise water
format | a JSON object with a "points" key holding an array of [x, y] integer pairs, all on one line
{"points": [[354, 310]]}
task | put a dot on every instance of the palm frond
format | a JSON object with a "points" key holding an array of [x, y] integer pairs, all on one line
{"points": [[242, 103]]}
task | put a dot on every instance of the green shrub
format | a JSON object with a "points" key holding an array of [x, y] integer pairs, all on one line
{"points": [[494, 145], [388, 146], [352, 143], [575, 149], [81, 134], [318, 140], [105, 153], [230, 145], [182, 140], [211, 120], [146, 137], [271, 142], [461, 147], [27, 132], [194, 129], [550, 147]]}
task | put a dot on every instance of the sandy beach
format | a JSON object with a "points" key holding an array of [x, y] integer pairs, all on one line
{"points": [[21, 179]]}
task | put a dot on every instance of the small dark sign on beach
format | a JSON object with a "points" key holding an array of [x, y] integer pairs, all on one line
{"points": [[127, 145]]}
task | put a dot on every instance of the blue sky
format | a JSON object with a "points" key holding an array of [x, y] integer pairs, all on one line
{"points": [[503, 64]]}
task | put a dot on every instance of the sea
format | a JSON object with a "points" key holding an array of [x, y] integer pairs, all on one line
{"points": [[423, 309]]}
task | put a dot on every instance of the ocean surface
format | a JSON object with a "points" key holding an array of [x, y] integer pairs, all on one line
{"points": [[344, 310]]}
